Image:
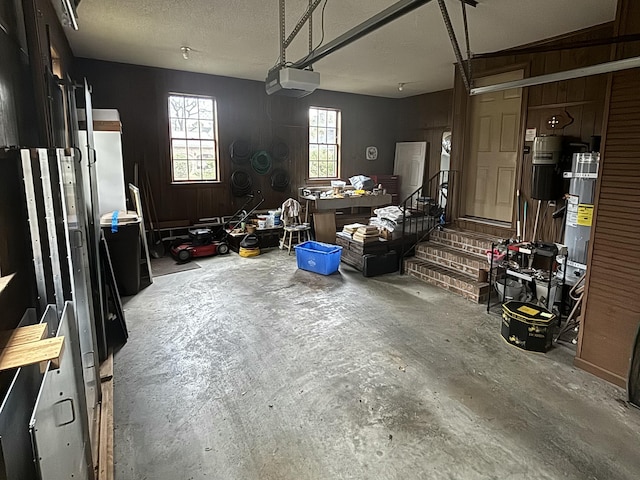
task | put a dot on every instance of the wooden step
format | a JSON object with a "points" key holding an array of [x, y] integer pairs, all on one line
{"points": [[472, 242], [471, 264], [447, 279]]}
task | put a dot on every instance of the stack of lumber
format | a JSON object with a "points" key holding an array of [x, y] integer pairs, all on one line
{"points": [[352, 228], [367, 234]]}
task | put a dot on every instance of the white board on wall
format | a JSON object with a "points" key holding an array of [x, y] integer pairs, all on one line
{"points": [[409, 164]]}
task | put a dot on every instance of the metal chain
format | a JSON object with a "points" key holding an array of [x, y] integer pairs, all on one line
{"points": [[310, 27], [454, 44], [466, 36], [283, 49]]}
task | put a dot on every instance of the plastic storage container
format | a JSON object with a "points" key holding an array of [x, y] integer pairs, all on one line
{"points": [[125, 251], [318, 257]]}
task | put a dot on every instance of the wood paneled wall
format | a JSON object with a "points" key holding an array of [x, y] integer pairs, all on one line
{"points": [[424, 119], [612, 310], [244, 111], [581, 101], [612, 304]]}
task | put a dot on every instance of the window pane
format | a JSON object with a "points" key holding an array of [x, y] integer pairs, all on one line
{"points": [[206, 129], [313, 135], [313, 117], [209, 170], [331, 171], [323, 171], [195, 170], [313, 152], [177, 127], [313, 169], [193, 130], [323, 152], [193, 150], [322, 135], [331, 135], [322, 118], [180, 170], [191, 107], [179, 149], [331, 153], [208, 150], [205, 106], [331, 119], [176, 106]]}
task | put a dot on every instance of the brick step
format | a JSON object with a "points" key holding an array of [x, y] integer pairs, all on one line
{"points": [[471, 264], [447, 279], [471, 242]]}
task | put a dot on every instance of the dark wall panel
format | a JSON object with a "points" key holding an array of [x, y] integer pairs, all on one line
{"points": [[17, 128], [244, 111]]}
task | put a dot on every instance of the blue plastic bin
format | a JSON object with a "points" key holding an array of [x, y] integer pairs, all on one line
{"points": [[318, 257]]}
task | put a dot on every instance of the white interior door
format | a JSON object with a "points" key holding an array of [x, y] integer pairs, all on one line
{"points": [[409, 165], [490, 167]]}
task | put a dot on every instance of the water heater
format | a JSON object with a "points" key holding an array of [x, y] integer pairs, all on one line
{"points": [[582, 186], [547, 152]]}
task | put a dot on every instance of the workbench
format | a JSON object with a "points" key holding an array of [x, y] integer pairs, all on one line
{"points": [[333, 203], [325, 209]]}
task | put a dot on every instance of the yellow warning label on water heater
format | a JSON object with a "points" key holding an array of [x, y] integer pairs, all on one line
{"points": [[585, 215], [528, 310]]}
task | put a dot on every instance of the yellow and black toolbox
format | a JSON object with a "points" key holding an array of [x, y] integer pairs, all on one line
{"points": [[527, 326]]}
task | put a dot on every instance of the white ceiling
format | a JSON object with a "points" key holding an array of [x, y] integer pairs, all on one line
{"points": [[239, 38]]}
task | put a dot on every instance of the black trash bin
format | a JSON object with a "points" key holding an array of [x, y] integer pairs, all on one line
{"points": [[123, 240]]}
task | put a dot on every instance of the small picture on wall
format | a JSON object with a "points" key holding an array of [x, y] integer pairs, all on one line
{"points": [[372, 153]]}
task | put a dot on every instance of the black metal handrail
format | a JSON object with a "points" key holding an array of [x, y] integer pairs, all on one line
{"points": [[426, 209]]}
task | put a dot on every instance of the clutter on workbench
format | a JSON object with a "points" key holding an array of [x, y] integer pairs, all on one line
{"points": [[362, 182]]}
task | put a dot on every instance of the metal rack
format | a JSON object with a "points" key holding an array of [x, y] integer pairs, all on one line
{"points": [[514, 249]]}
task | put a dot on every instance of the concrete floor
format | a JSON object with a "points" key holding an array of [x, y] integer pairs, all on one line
{"points": [[252, 369]]}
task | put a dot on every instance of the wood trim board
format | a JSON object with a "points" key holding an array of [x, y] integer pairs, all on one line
{"points": [[46, 350]]}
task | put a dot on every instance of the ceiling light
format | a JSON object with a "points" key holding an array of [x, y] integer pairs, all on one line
{"points": [[185, 52], [400, 87]]}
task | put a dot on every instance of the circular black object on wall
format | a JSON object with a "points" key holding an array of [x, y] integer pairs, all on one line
{"points": [[280, 180], [261, 162], [279, 151], [240, 151], [241, 183]]}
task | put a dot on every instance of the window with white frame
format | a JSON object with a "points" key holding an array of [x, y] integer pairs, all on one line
{"points": [[194, 139], [324, 142]]}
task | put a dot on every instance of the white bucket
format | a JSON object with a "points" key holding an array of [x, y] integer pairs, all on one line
{"points": [[514, 289], [262, 224], [275, 217]]}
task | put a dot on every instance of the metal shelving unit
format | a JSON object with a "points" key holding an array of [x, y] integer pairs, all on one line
{"points": [[513, 250]]}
